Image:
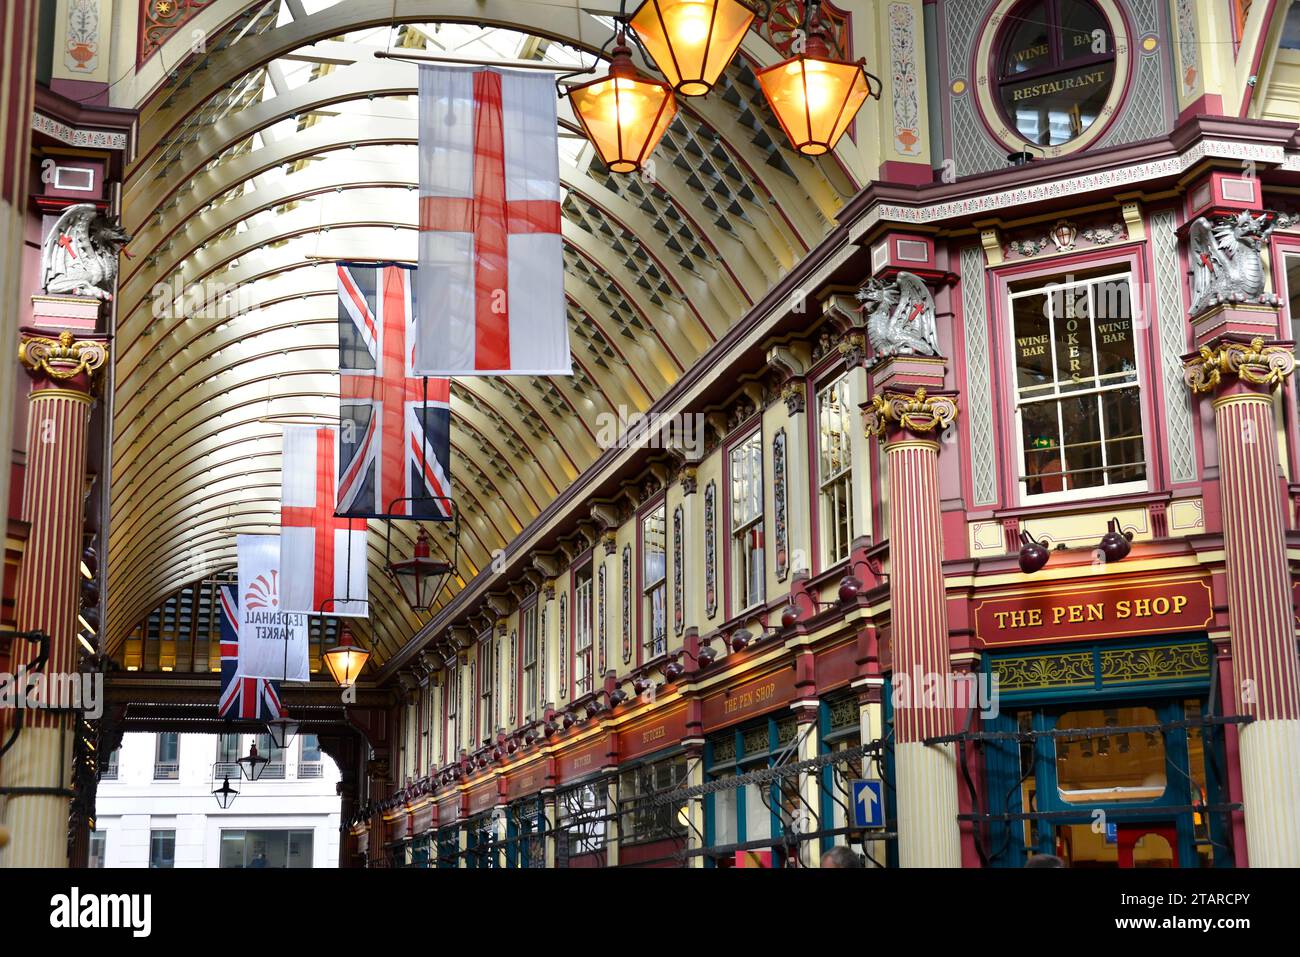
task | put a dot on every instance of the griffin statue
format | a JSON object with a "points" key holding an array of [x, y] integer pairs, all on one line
{"points": [[900, 317], [1225, 260], [79, 256]]}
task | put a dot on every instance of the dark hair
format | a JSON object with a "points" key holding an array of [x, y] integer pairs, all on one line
{"points": [[841, 856], [1044, 860]]}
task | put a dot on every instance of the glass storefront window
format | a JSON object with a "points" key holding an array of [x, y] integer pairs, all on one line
{"points": [[641, 821], [267, 849], [1109, 767]]}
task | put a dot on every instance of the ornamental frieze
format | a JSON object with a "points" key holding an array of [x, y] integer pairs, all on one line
{"points": [[1254, 364]]}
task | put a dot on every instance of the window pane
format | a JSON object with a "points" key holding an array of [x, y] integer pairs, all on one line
{"points": [[1032, 344], [1084, 32], [653, 546], [1072, 319], [1122, 416], [1027, 44], [1052, 109], [1110, 767], [162, 849]]}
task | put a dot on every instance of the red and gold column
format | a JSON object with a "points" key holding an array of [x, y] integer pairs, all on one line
{"points": [[910, 426], [39, 766], [1241, 376]]}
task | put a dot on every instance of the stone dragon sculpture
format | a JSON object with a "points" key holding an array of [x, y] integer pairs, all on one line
{"points": [[900, 316], [79, 256], [1225, 257]]}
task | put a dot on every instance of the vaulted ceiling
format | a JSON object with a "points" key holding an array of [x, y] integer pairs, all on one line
{"points": [[288, 144]]}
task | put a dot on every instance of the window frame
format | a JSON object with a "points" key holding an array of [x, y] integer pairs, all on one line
{"points": [[1057, 65], [585, 566], [733, 533], [528, 684], [646, 647], [1051, 274], [831, 376], [484, 692]]}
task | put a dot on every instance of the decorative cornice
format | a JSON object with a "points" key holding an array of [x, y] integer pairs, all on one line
{"points": [[1254, 364], [920, 413]]}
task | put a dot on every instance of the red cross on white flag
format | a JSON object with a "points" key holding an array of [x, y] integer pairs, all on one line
{"points": [[322, 558], [490, 282]]}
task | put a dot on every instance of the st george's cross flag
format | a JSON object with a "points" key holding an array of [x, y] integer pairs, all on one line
{"points": [[241, 697], [490, 281], [394, 427], [322, 557]]}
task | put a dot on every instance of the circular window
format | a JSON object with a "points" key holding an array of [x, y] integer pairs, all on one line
{"points": [[1054, 68]]}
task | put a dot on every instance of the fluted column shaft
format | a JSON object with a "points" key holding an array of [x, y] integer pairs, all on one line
{"points": [[1241, 377], [925, 775], [48, 587]]}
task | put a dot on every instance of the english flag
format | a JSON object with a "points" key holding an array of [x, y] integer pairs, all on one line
{"points": [[491, 278], [252, 698], [394, 426], [322, 557]]}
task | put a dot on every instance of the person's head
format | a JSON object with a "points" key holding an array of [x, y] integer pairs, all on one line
{"points": [[841, 856], [1044, 860]]}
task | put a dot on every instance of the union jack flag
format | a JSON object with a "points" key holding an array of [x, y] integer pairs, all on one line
{"points": [[394, 426], [251, 698]]}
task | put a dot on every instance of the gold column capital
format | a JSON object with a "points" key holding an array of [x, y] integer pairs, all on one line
{"points": [[67, 360], [1252, 363], [919, 413]]}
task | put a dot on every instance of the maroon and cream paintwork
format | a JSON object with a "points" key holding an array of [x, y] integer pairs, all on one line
{"points": [[1265, 669]]}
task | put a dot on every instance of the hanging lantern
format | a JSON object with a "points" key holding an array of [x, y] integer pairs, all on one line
{"points": [[281, 730], [253, 764], [815, 96], [420, 578], [346, 659], [624, 114], [692, 41], [225, 794]]}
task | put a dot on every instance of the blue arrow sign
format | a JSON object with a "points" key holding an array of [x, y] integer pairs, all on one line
{"points": [[868, 804]]}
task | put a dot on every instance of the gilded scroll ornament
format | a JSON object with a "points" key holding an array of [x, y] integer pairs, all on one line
{"points": [[1256, 364], [920, 413], [62, 358]]}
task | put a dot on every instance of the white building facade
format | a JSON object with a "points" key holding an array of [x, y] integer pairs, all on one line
{"points": [[155, 806]]}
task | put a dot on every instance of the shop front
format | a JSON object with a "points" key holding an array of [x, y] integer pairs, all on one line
{"points": [[1107, 748]]}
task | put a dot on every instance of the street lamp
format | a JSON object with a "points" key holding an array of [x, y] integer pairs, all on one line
{"points": [[814, 95], [225, 794], [281, 730], [252, 764], [692, 41], [420, 578], [346, 659], [624, 114]]}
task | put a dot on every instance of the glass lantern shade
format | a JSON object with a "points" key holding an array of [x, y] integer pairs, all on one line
{"points": [[225, 794], [815, 97], [624, 114], [420, 578], [281, 730], [345, 660], [692, 41], [253, 764]]}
